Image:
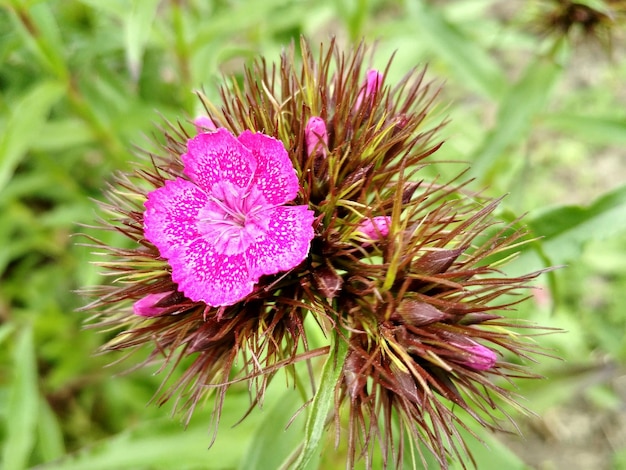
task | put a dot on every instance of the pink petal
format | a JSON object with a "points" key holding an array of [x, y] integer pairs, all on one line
{"points": [[171, 215], [275, 175], [287, 243], [218, 156], [206, 276]]}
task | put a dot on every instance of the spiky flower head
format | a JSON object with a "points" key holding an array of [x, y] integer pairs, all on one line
{"points": [[303, 194]]}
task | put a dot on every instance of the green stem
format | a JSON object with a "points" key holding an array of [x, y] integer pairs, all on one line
{"points": [[324, 401]]}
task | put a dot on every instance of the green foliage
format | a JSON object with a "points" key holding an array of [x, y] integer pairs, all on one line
{"points": [[84, 82]]}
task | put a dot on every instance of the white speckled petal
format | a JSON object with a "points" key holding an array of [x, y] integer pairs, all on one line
{"points": [[171, 215], [286, 244], [275, 175], [218, 156], [204, 275]]}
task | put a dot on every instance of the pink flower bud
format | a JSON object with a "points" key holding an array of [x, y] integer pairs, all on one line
{"points": [[147, 307], [203, 124], [375, 228], [372, 85], [316, 137], [479, 357]]}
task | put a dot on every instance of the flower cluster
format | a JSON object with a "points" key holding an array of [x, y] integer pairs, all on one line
{"points": [[304, 194]]}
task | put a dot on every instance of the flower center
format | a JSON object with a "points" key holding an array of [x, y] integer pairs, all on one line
{"points": [[234, 217]]}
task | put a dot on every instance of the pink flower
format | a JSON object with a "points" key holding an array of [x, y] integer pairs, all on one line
{"points": [[227, 225], [479, 357], [316, 136], [375, 228], [372, 85], [148, 306], [203, 124]]}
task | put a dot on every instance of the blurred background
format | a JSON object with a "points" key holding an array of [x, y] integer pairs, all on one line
{"points": [[536, 96]]}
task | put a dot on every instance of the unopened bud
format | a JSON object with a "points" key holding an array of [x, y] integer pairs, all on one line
{"points": [[372, 85], [375, 228], [203, 124], [148, 306], [316, 137], [478, 357]]}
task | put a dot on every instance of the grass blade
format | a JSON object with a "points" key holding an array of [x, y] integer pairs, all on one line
{"points": [[22, 409], [29, 113]]}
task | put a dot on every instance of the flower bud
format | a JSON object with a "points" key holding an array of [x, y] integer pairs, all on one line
{"points": [[149, 305], [479, 357], [316, 137], [375, 228], [203, 124], [371, 87]]}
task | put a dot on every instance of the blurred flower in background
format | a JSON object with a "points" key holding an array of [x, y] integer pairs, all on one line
{"points": [[303, 196], [579, 21]]}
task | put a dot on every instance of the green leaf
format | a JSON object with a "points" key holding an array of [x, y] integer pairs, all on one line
{"points": [[524, 101], [63, 134], [137, 27], [470, 62], [322, 402], [490, 454], [29, 114], [40, 32], [565, 229], [23, 404], [5, 331], [162, 449], [112, 7], [272, 442], [602, 130], [164, 444], [49, 434]]}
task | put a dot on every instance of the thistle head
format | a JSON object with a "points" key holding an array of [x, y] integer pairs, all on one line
{"points": [[302, 194]]}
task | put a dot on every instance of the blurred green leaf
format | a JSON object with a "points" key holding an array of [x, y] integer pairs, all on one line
{"points": [[491, 453], [23, 401], [63, 134], [470, 62], [564, 229], [523, 102], [6, 330], [159, 448], [49, 433], [29, 113], [40, 33], [115, 7], [137, 26], [604, 130], [273, 442], [163, 443]]}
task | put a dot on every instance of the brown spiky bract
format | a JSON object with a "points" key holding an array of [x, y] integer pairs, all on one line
{"points": [[411, 305]]}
